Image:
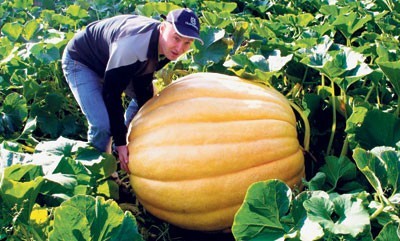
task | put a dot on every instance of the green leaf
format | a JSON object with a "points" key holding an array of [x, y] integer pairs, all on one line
{"points": [[262, 28], [219, 7], [20, 196], [219, 20], [317, 182], [88, 218], [100, 164], [308, 230], [370, 132], [156, 8], [344, 215], [22, 4], [355, 74], [350, 22], [389, 232], [214, 49], [30, 29], [337, 169], [76, 12], [259, 216], [22, 173], [26, 135], [390, 160], [109, 189], [257, 66], [13, 113], [61, 147], [11, 153], [45, 53], [66, 181], [12, 30], [373, 169], [391, 71]]}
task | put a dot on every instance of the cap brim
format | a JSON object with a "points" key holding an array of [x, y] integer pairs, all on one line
{"points": [[187, 32]]}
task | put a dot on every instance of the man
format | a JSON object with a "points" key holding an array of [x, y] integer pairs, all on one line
{"points": [[121, 54]]}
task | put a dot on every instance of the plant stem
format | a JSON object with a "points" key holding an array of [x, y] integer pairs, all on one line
{"points": [[333, 129], [28, 148], [369, 92], [345, 146], [378, 211], [378, 101], [304, 76], [307, 132], [346, 140]]}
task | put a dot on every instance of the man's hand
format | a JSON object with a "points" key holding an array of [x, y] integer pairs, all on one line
{"points": [[123, 156]]}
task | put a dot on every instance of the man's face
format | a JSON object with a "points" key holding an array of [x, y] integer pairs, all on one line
{"points": [[171, 44]]}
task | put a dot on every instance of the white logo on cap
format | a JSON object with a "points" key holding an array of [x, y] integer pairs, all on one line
{"points": [[192, 23]]}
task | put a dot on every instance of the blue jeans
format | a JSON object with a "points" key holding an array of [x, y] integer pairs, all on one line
{"points": [[87, 88]]}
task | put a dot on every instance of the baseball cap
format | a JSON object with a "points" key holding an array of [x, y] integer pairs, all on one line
{"points": [[185, 23]]}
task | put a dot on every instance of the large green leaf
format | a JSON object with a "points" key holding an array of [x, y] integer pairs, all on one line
{"points": [[389, 232], [93, 218], [350, 22], [370, 131], [214, 49], [220, 6], [100, 164], [76, 12], [259, 217], [61, 147], [13, 113], [156, 8], [20, 196], [373, 169], [391, 71], [12, 30], [23, 172], [11, 153], [220, 19], [31, 28], [381, 166], [257, 66], [22, 4], [343, 215], [45, 53], [307, 229], [338, 169]]}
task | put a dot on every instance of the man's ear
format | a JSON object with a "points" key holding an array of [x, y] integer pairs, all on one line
{"points": [[162, 27]]}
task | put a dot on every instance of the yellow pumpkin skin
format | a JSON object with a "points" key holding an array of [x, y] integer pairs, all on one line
{"points": [[196, 147]]}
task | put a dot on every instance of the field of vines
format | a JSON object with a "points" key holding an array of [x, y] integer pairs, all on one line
{"points": [[337, 61]]}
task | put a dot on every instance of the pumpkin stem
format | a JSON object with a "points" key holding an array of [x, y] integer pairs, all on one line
{"points": [[307, 132]]}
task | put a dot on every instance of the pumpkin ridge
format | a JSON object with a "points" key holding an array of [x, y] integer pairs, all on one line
{"points": [[293, 182], [161, 126], [212, 143], [160, 103], [243, 169]]}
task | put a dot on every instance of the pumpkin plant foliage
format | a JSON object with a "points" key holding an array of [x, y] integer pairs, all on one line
{"points": [[337, 60], [327, 215]]}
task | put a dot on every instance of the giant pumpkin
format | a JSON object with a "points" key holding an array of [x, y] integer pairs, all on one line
{"points": [[196, 147]]}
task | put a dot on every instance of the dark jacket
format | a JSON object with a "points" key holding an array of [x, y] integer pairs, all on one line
{"points": [[123, 51]]}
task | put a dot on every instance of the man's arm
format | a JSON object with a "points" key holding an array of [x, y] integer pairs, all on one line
{"points": [[113, 87], [143, 88]]}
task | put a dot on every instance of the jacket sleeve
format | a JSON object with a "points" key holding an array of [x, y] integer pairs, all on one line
{"points": [[112, 94], [143, 87]]}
